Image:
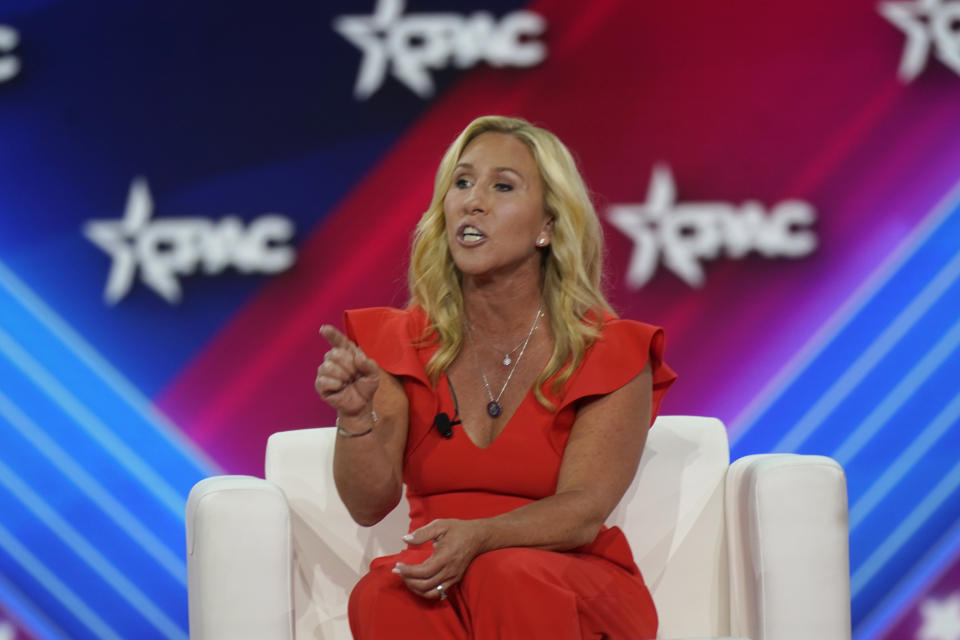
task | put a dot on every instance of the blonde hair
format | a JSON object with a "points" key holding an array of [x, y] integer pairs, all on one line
{"points": [[571, 267]]}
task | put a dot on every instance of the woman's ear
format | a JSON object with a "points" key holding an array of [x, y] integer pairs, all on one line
{"points": [[543, 239], [548, 224]]}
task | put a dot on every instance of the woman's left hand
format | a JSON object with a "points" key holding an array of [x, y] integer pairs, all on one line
{"points": [[455, 544]]}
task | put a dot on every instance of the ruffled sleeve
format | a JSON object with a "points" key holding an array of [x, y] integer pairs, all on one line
{"points": [[389, 336], [618, 356]]}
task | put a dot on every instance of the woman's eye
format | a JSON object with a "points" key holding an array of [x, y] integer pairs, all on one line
{"points": [[503, 186], [461, 183]]}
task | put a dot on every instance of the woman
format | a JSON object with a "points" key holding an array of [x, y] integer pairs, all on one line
{"points": [[509, 399]]}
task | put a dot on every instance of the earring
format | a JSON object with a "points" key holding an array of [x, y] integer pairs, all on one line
{"points": [[541, 242]]}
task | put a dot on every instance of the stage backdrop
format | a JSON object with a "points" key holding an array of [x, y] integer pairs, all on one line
{"points": [[189, 190]]}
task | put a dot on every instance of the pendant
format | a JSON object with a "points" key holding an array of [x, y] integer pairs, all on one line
{"points": [[507, 360], [494, 409]]}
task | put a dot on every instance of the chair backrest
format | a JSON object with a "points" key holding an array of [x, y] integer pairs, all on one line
{"points": [[672, 514]]}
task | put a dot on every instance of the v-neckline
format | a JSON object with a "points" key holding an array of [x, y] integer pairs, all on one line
{"points": [[506, 425]]}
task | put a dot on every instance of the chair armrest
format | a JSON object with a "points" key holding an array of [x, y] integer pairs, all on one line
{"points": [[239, 560], [788, 548]]}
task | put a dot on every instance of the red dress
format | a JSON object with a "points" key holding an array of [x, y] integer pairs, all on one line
{"points": [[595, 591]]}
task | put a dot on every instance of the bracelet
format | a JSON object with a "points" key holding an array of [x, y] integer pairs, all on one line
{"points": [[349, 434]]}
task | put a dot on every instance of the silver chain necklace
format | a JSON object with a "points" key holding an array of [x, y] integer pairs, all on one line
{"points": [[494, 408], [508, 356]]}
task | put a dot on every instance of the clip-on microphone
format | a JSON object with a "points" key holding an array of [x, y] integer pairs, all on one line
{"points": [[443, 422]]}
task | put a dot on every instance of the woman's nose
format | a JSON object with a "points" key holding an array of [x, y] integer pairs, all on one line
{"points": [[475, 202]]}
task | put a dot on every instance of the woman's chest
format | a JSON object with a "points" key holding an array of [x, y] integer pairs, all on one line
{"points": [[487, 391], [524, 459]]}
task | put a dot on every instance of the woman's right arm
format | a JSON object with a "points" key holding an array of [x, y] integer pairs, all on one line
{"points": [[367, 469]]}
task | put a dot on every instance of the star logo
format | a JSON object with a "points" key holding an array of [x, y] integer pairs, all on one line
{"points": [[926, 23], [9, 64], [118, 238], [167, 248], [941, 619], [686, 234], [412, 45]]}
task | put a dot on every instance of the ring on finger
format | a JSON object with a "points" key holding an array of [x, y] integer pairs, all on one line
{"points": [[443, 594]]}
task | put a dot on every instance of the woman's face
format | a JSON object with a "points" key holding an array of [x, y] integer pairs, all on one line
{"points": [[494, 208]]}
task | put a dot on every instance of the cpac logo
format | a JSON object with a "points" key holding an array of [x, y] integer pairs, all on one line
{"points": [[411, 45], [925, 23], [687, 233], [9, 64], [166, 248]]}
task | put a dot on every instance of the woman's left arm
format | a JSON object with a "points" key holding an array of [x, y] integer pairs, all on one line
{"points": [[599, 463]]}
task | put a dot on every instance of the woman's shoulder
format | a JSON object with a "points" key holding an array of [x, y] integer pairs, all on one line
{"points": [[614, 328], [621, 351], [390, 336], [622, 339], [385, 320], [623, 344]]}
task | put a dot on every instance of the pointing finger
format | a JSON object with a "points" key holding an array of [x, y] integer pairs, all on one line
{"points": [[335, 337]]}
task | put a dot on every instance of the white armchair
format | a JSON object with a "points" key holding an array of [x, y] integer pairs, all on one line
{"points": [[756, 549]]}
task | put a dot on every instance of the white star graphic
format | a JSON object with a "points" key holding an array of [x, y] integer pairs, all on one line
{"points": [[941, 619], [661, 225], [164, 249], [7, 631], [411, 46], [368, 33], [686, 234], [925, 23], [117, 237]]}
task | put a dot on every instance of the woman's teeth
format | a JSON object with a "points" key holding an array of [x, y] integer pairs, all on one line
{"points": [[471, 233]]}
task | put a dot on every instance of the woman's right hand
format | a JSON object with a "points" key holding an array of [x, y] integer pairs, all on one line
{"points": [[348, 378]]}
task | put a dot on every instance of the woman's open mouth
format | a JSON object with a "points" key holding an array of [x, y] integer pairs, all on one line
{"points": [[469, 235]]}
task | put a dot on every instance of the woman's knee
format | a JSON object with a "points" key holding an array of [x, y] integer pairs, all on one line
{"points": [[381, 606], [510, 566]]}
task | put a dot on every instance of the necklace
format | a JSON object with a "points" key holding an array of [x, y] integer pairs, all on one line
{"points": [[494, 409], [507, 357]]}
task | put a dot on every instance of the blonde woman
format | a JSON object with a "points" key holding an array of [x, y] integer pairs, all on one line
{"points": [[509, 399]]}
